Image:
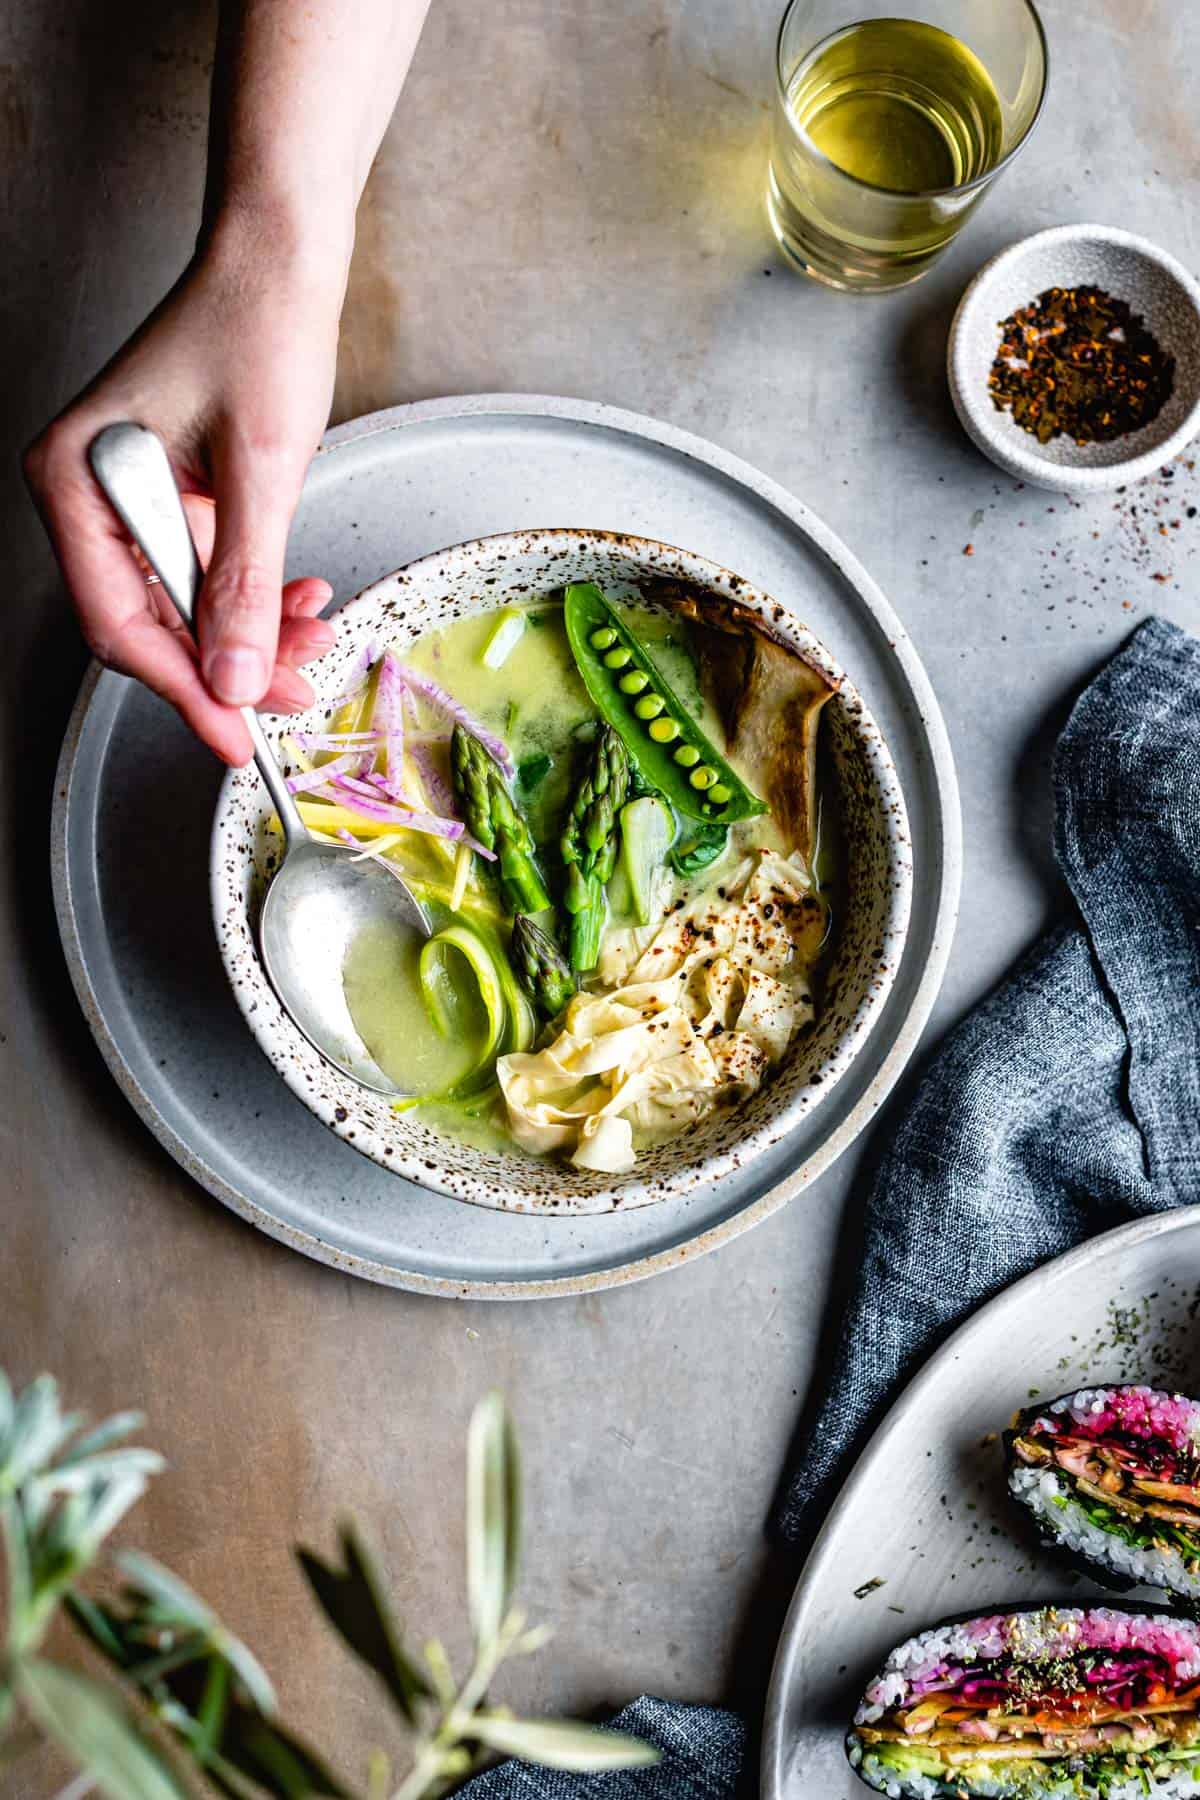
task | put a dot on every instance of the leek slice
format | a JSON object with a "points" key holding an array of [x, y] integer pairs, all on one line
{"points": [[441, 993]]}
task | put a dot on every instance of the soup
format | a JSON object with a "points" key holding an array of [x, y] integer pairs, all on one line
{"points": [[614, 817]]}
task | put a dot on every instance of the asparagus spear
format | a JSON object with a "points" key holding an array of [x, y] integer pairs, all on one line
{"points": [[487, 810], [589, 844], [540, 967]]}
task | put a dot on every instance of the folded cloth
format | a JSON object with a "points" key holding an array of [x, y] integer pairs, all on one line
{"points": [[702, 1750], [1069, 1101]]}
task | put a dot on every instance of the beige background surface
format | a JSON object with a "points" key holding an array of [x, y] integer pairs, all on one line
{"points": [[568, 201]]}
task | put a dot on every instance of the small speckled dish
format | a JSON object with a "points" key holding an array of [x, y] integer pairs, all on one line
{"points": [[1129, 268], [476, 577]]}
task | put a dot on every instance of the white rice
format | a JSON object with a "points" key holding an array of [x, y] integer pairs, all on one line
{"points": [[1043, 1490], [1167, 1781]]}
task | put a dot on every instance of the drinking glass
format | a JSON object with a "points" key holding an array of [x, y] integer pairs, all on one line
{"points": [[901, 115]]}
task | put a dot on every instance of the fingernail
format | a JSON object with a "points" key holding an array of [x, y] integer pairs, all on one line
{"points": [[238, 677]]}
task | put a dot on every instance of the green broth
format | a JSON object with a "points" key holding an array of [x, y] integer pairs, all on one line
{"points": [[537, 703], [537, 688], [383, 994]]}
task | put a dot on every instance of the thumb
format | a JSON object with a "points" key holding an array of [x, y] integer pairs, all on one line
{"points": [[255, 490]]}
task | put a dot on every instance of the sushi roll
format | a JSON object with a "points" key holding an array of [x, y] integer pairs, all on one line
{"points": [[1112, 1476], [1063, 1703]]}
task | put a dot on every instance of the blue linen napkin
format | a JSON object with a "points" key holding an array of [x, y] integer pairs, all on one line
{"points": [[702, 1751], [1067, 1103]]}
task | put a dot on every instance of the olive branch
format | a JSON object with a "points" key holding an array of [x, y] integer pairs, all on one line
{"points": [[188, 1708]]}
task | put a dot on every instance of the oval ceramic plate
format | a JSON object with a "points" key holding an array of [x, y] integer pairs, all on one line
{"points": [[517, 567], [923, 1528], [134, 789]]}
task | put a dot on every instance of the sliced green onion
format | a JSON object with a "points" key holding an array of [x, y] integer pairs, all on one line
{"points": [[503, 638]]}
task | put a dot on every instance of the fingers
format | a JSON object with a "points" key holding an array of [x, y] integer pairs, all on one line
{"points": [[131, 627], [166, 662], [306, 597], [111, 597], [256, 487]]}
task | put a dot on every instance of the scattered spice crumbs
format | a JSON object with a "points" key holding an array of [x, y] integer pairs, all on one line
{"points": [[868, 1587]]}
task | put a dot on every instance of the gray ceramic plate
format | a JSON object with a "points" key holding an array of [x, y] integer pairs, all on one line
{"points": [[923, 1530], [135, 794]]}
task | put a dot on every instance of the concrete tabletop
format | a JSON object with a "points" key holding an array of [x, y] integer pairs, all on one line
{"points": [[569, 200]]}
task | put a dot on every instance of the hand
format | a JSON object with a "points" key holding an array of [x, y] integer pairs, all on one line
{"points": [[235, 373]]}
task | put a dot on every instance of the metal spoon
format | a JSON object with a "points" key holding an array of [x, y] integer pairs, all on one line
{"points": [[320, 899]]}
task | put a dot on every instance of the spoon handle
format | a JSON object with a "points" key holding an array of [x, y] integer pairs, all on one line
{"points": [[131, 465]]}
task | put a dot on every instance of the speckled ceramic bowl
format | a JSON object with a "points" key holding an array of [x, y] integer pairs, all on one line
{"points": [[1130, 268], [474, 578]]}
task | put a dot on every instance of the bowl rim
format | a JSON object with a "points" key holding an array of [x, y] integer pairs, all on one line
{"points": [[263, 1023], [979, 418]]}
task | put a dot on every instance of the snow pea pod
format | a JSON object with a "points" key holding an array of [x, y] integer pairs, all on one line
{"points": [[665, 744]]}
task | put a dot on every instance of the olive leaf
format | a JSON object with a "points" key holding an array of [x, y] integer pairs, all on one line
{"points": [[563, 1744], [169, 1603], [493, 1515], [189, 1685], [352, 1599], [102, 1626], [256, 1754], [82, 1719], [36, 1429], [119, 1426]]}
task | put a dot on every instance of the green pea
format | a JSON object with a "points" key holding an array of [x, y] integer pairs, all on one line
{"points": [[634, 682], [600, 640], [721, 794], [618, 658], [703, 777], [649, 706], [687, 756], [663, 730]]}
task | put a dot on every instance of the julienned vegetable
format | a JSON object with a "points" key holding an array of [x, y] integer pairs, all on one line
{"points": [[589, 845], [647, 829], [662, 738], [493, 819]]}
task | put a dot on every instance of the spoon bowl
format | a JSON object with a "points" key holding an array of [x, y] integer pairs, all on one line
{"points": [[322, 895], [320, 900]]}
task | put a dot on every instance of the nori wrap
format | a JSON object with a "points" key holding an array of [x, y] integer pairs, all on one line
{"points": [[1112, 1478], [1061, 1703]]}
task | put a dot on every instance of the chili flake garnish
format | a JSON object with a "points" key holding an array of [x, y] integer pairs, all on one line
{"points": [[1078, 362]]}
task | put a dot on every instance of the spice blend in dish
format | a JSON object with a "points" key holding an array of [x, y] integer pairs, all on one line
{"points": [[1112, 1476], [1076, 362], [612, 815], [1063, 1703]]}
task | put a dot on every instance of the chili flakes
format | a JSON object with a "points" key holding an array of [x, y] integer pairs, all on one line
{"points": [[1078, 362]]}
